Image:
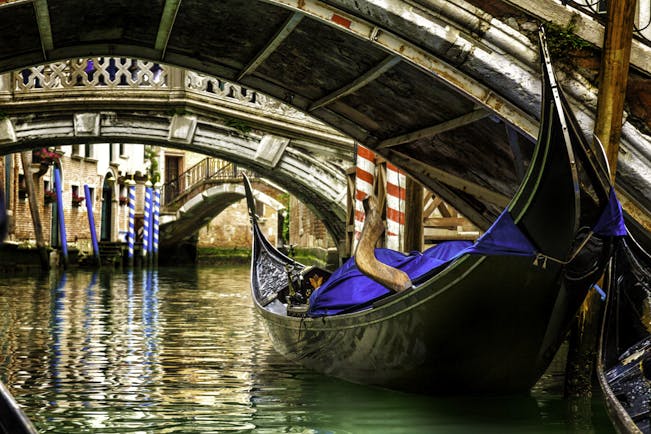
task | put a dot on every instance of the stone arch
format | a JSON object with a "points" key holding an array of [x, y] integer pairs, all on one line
{"points": [[203, 207], [313, 179]]}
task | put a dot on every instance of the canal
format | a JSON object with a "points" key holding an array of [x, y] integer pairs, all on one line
{"points": [[182, 351]]}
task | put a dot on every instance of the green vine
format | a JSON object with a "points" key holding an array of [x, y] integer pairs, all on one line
{"points": [[180, 111], [151, 155], [561, 40], [237, 124], [284, 199]]}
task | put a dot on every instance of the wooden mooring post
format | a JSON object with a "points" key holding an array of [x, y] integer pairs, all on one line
{"points": [[613, 78], [25, 158]]}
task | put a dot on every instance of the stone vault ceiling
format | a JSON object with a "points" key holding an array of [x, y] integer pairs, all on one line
{"points": [[440, 88]]}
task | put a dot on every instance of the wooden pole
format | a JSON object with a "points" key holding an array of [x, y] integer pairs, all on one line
{"points": [[33, 208], [413, 215], [610, 106], [614, 77]]}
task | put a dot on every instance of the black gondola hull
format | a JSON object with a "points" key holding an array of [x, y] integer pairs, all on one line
{"points": [[465, 333]]}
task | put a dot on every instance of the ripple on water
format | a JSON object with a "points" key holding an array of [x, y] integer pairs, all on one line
{"points": [[182, 351]]}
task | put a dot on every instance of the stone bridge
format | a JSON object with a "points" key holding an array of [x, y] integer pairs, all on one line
{"points": [[447, 90], [200, 208], [135, 101]]}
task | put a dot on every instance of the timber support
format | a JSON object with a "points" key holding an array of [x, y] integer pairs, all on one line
{"points": [[608, 126]]}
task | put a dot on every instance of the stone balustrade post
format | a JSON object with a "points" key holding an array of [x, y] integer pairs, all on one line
{"points": [[6, 86], [176, 78]]}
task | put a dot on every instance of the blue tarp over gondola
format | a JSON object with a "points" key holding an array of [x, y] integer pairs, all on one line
{"points": [[349, 288]]}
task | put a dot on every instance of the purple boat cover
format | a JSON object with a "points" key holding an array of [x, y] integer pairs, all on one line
{"points": [[348, 287]]}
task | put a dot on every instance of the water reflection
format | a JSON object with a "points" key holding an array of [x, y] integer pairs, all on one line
{"points": [[182, 350]]}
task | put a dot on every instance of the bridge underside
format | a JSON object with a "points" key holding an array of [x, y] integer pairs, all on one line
{"points": [[446, 91]]}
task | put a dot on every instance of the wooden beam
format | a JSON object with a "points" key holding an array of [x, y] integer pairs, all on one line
{"points": [[413, 215], [613, 77], [445, 222], [452, 124], [170, 10], [360, 82], [453, 236], [44, 26], [275, 42], [454, 181], [436, 201], [443, 209]]}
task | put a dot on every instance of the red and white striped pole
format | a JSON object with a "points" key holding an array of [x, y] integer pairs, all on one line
{"points": [[396, 193], [364, 177]]}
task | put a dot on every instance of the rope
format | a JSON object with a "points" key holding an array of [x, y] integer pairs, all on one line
{"points": [[541, 259]]}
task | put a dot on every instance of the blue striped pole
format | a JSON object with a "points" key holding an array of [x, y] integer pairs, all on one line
{"points": [[62, 223], [151, 225], [156, 224], [131, 234], [145, 227], [91, 224]]}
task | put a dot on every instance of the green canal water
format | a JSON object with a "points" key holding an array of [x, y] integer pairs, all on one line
{"points": [[182, 351]]}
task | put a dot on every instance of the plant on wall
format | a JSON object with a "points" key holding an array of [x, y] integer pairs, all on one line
{"points": [[45, 156], [77, 200], [562, 40], [49, 196], [151, 155]]}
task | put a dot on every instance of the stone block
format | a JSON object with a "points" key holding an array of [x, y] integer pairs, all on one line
{"points": [[7, 132], [86, 124], [182, 128], [270, 150]]}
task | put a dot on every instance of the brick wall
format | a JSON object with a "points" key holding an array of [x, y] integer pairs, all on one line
{"points": [[75, 172], [305, 229], [231, 228]]}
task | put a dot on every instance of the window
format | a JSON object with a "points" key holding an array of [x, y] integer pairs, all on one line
{"points": [[259, 209], [122, 150], [111, 153], [76, 198], [75, 150], [22, 188], [88, 151]]}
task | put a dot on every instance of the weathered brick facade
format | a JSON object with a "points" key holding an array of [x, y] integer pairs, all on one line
{"points": [[305, 229], [75, 172], [231, 228]]}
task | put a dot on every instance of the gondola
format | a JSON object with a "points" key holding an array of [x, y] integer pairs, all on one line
{"points": [[624, 360], [481, 318]]}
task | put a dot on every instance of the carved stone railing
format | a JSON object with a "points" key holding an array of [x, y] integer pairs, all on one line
{"points": [[115, 73], [109, 72]]}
